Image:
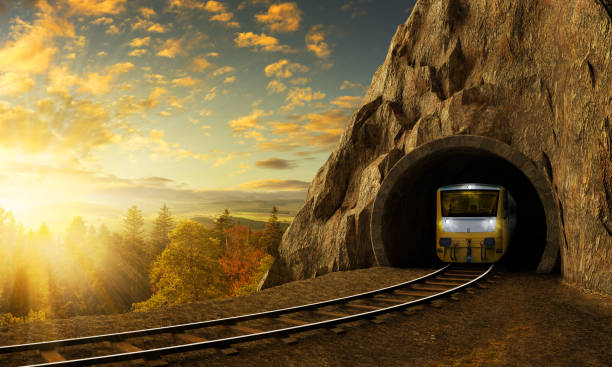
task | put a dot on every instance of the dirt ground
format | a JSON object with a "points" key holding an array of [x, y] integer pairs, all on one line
{"points": [[523, 319]]}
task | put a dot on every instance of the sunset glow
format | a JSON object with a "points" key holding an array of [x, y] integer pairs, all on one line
{"points": [[203, 105]]}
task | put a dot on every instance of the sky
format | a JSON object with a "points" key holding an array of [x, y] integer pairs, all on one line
{"points": [[203, 105]]}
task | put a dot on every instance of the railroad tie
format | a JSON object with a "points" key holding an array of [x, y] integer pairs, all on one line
{"points": [[362, 306], [414, 294], [430, 289], [292, 321], [126, 347], [331, 313], [444, 283], [189, 338], [290, 340], [51, 355], [390, 300]]}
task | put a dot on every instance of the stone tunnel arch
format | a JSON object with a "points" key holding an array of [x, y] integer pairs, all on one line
{"points": [[403, 217]]}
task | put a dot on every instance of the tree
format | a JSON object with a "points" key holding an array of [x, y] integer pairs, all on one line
{"points": [[240, 260], [76, 231], [222, 224], [161, 229], [272, 234], [188, 269], [132, 225]]}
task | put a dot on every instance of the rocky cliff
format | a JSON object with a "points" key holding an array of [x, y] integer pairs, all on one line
{"points": [[532, 74]]}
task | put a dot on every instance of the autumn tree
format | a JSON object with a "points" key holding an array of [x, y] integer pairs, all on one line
{"points": [[188, 269], [272, 234], [161, 229], [240, 259]]}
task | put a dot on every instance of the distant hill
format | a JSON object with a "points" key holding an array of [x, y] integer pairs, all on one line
{"points": [[255, 225]]}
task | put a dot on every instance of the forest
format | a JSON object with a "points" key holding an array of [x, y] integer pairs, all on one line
{"points": [[90, 270]]}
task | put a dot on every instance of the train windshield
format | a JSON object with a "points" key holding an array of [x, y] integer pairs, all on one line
{"points": [[469, 203]]}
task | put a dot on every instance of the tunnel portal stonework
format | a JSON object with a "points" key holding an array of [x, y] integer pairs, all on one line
{"points": [[405, 201], [532, 78]]}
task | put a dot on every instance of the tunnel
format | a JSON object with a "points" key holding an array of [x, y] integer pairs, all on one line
{"points": [[402, 224]]}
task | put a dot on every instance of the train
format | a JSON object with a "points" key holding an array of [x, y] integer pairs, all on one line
{"points": [[474, 222]]}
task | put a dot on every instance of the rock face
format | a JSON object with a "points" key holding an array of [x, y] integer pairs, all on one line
{"points": [[535, 75]]}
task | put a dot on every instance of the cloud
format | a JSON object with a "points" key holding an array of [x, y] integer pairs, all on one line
{"points": [[299, 81], [96, 7], [31, 46], [148, 25], [138, 52], [60, 132], [346, 101], [229, 79], [220, 12], [222, 70], [318, 130], [185, 81], [217, 8], [221, 161], [273, 185], [212, 93], [349, 85], [283, 17], [112, 30], [103, 20], [15, 83], [355, 8], [245, 123], [298, 96], [187, 4], [170, 48], [180, 46], [315, 42], [275, 86], [154, 141], [146, 12], [199, 64], [260, 42], [284, 69], [139, 42], [99, 83], [275, 163]]}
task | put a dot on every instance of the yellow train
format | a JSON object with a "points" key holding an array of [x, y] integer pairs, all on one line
{"points": [[474, 222]]}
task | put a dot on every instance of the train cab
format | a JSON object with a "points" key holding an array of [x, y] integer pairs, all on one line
{"points": [[474, 222]]}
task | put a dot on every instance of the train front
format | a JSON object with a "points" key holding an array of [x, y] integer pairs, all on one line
{"points": [[472, 223]]}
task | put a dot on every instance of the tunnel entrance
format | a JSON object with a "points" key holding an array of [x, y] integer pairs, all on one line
{"points": [[403, 219]]}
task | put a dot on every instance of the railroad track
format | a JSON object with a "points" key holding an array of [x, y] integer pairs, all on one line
{"points": [[125, 346]]}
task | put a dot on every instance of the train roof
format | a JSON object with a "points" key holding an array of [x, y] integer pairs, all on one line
{"points": [[469, 186]]}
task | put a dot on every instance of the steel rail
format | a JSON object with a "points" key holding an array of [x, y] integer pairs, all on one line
{"points": [[50, 344], [157, 352]]}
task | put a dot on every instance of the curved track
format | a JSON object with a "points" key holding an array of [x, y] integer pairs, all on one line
{"points": [[440, 283]]}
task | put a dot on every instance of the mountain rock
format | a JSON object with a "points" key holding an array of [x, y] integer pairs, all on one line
{"points": [[532, 75]]}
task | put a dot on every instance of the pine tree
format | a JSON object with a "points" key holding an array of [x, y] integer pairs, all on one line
{"points": [[132, 224], [222, 224], [164, 224], [272, 234]]}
